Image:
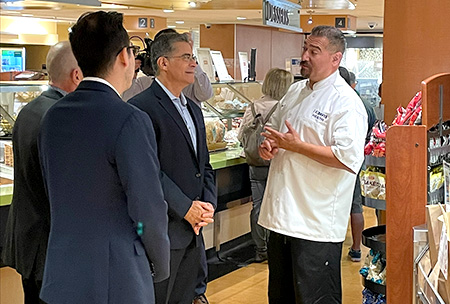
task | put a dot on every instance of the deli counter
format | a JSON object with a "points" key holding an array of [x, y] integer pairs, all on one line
{"points": [[222, 115]]}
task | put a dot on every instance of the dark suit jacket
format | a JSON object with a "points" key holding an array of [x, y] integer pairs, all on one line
{"points": [[28, 222], [187, 176], [98, 157]]}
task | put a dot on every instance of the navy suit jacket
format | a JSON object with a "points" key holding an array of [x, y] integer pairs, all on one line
{"points": [[28, 223], [100, 167], [187, 176]]}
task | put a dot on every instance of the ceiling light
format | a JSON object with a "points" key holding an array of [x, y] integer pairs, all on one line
{"points": [[310, 20], [192, 4], [171, 26], [27, 15], [169, 10], [241, 18], [179, 22], [113, 6]]}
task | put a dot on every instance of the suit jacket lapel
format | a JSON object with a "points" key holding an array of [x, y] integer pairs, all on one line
{"points": [[168, 105]]}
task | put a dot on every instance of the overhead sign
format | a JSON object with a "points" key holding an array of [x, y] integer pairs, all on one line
{"points": [[142, 22], [339, 23], [282, 14], [80, 2]]}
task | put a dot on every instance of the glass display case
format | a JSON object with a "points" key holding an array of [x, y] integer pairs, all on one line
{"points": [[231, 99], [224, 110], [14, 96]]}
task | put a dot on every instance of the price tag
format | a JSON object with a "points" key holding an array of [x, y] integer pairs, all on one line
{"points": [[443, 252]]}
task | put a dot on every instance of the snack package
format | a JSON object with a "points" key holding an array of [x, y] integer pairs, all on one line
{"points": [[368, 297], [375, 268], [409, 115], [370, 258], [381, 299], [436, 178], [373, 183], [377, 142]]}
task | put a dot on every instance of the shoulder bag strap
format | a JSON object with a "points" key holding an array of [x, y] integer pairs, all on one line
{"points": [[253, 109], [270, 113]]}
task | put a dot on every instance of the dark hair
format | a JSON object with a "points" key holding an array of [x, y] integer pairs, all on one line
{"points": [[352, 77], [140, 57], [344, 74], [165, 31], [334, 36], [96, 40], [163, 46]]}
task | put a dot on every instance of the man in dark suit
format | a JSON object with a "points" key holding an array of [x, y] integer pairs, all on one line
{"points": [[108, 232], [190, 189], [28, 223]]}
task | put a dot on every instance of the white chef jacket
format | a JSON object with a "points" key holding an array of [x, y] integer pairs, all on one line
{"points": [[304, 198]]}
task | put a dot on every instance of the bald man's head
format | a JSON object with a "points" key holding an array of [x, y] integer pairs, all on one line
{"points": [[62, 67]]}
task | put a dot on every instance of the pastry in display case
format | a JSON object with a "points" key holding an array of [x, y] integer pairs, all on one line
{"points": [[223, 112], [215, 134], [231, 99], [14, 96]]}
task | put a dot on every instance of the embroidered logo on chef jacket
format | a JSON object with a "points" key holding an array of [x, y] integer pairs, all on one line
{"points": [[320, 116]]}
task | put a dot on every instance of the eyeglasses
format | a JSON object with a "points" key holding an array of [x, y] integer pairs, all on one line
{"points": [[134, 48], [185, 57]]}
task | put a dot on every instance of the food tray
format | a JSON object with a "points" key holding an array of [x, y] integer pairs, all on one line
{"points": [[374, 287], [375, 161], [375, 238], [374, 203]]}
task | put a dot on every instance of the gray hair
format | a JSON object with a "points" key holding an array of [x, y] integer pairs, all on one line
{"points": [[60, 61], [164, 46], [276, 83], [334, 36]]}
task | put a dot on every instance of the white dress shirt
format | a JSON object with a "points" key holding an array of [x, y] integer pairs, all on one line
{"points": [[304, 198], [181, 105], [101, 80]]}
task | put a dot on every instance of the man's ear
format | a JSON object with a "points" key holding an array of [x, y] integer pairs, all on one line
{"points": [[162, 63], [76, 75], [124, 57], [336, 58]]}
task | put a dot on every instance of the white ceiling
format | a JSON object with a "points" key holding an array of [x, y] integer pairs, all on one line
{"points": [[213, 11]]}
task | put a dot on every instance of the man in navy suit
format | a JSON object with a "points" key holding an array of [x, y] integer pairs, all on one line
{"points": [[28, 223], [108, 235], [189, 185]]}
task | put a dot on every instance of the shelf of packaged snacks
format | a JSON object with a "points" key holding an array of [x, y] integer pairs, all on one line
{"points": [[375, 161], [407, 174], [374, 287], [375, 238], [374, 203]]}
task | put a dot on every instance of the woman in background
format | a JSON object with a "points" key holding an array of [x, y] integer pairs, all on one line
{"points": [[275, 85]]}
